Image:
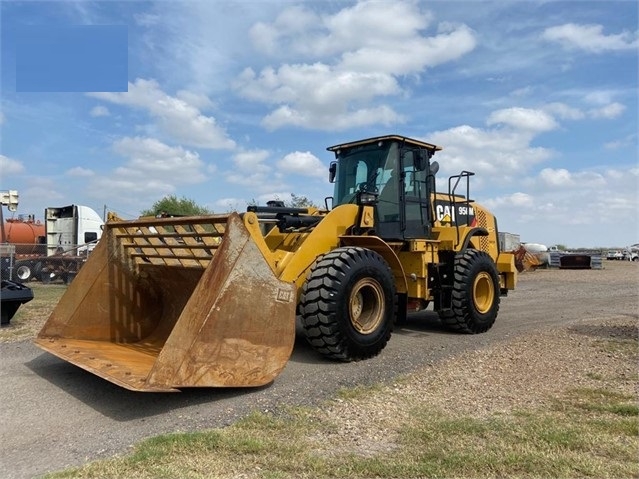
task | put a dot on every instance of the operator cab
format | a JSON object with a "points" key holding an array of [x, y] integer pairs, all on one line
{"points": [[395, 174]]}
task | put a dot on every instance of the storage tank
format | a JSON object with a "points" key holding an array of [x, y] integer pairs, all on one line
{"points": [[28, 235], [540, 251]]}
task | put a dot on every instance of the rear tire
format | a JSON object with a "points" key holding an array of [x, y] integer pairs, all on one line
{"points": [[24, 272], [475, 296], [46, 277], [347, 306], [37, 270]]}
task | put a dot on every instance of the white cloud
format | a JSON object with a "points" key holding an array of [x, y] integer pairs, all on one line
{"points": [[138, 192], [347, 68], [197, 100], [302, 163], [562, 178], [80, 172], [254, 173], [300, 31], [561, 204], [411, 55], [629, 140], [613, 110], [591, 38], [152, 169], [315, 96], [147, 19], [517, 199], [599, 97], [556, 178], [494, 154], [563, 111], [9, 166], [251, 160], [523, 119], [607, 109], [338, 120], [150, 159], [44, 193], [99, 110], [177, 118]]}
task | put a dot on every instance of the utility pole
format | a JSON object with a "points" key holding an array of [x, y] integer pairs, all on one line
{"points": [[10, 199]]}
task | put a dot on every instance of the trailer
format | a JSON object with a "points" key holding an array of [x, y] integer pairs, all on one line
{"points": [[55, 249]]}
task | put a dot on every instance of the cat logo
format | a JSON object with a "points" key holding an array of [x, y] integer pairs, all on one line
{"points": [[461, 214], [445, 213], [284, 296]]}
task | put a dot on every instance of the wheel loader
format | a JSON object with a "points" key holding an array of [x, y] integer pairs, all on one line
{"points": [[213, 301]]}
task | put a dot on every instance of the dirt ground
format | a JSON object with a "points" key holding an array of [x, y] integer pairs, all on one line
{"points": [[540, 340], [526, 372]]}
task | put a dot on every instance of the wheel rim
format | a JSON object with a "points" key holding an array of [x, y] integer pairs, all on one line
{"points": [[366, 306], [23, 272], [483, 292]]}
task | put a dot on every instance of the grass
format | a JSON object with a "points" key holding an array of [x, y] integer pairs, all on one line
{"points": [[561, 442], [31, 316], [584, 432]]}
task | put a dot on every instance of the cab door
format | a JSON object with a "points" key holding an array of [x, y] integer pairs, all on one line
{"points": [[414, 196]]}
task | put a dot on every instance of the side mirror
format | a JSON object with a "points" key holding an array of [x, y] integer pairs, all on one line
{"points": [[434, 168], [332, 172]]}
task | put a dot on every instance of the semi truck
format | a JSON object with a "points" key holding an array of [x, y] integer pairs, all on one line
{"points": [[54, 249]]}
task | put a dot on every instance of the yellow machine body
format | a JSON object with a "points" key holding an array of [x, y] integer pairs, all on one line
{"points": [[211, 301]]}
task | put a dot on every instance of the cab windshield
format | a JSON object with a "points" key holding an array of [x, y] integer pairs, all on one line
{"points": [[365, 168]]}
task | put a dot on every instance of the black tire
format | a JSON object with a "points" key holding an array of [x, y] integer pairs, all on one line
{"points": [[37, 270], [46, 277], [475, 296], [24, 272], [347, 306]]}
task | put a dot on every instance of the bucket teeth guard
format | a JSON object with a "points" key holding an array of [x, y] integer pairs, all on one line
{"points": [[170, 303]]}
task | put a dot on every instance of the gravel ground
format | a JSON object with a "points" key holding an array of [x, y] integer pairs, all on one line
{"points": [[55, 415], [524, 373]]}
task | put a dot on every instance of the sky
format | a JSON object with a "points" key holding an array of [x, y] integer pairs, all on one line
{"points": [[230, 102]]}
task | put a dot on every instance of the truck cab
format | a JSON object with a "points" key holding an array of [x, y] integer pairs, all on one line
{"points": [[73, 230], [396, 175]]}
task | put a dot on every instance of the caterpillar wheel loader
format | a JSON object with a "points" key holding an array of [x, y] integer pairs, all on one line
{"points": [[212, 301]]}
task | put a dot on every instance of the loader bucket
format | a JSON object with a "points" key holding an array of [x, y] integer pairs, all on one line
{"points": [[169, 303]]}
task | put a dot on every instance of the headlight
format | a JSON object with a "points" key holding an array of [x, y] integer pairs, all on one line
{"points": [[367, 198]]}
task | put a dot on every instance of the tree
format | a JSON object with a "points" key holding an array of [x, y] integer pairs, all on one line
{"points": [[299, 201], [296, 201], [174, 206]]}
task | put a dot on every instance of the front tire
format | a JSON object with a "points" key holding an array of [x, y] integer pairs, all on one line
{"points": [[475, 296], [347, 306]]}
